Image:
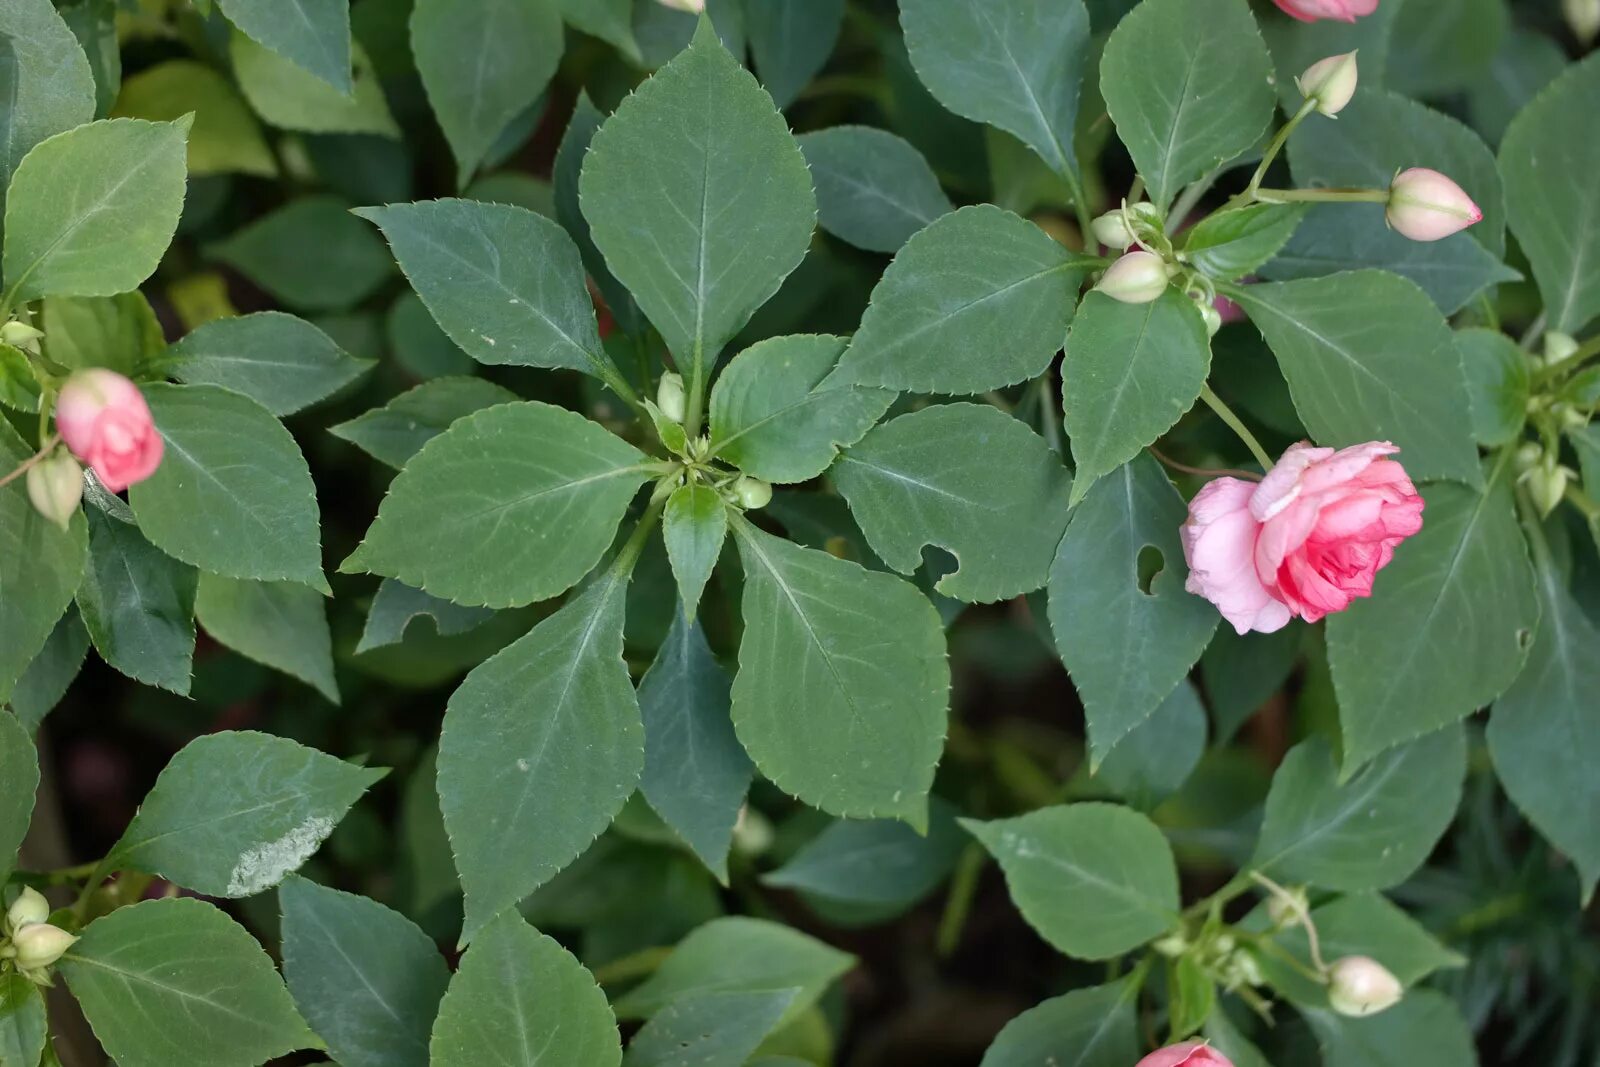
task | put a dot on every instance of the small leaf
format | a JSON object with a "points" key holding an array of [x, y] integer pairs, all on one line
{"points": [[40, 566], [138, 604], [1497, 384], [715, 1030], [694, 526], [235, 812], [874, 189], [49, 85], [397, 431], [290, 98], [281, 624], [20, 763], [281, 362], [396, 605], [312, 34], [881, 863], [225, 138], [349, 265], [1095, 880], [23, 1026], [1231, 244], [1090, 1027]]}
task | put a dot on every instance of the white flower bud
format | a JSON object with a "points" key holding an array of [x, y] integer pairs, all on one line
{"points": [[1558, 347], [1136, 278], [752, 493], [1286, 912], [21, 335], [1360, 985], [39, 945], [1111, 230], [1330, 82], [1212, 318], [670, 396], [29, 908], [694, 7], [1547, 484], [1584, 18], [55, 485]]}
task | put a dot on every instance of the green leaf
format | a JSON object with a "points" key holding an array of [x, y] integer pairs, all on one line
{"points": [[94, 24], [881, 863], [290, 98], [118, 332], [90, 211], [541, 746], [418, 344], [1497, 384], [694, 526], [1447, 628], [365, 977], [1319, 830], [1544, 733], [775, 413], [1557, 222], [233, 494], [1389, 373], [977, 300], [1423, 1030], [23, 1026], [790, 41], [20, 763], [1295, 45], [1445, 46], [586, 120], [715, 1030], [225, 138], [281, 362], [967, 478], [349, 263], [1126, 648], [1525, 63], [48, 84], [1243, 671], [739, 954], [314, 35], [504, 283], [695, 772], [1095, 880], [280, 624], [1156, 757], [138, 604], [45, 682], [235, 812], [1016, 64], [1091, 1027], [666, 187], [1230, 244], [1189, 87], [874, 189], [482, 65], [396, 605], [842, 686], [177, 981], [1130, 372], [609, 20], [521, 999], [395, 432], [537, 491]]}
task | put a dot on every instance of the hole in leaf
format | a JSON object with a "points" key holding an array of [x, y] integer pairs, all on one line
{"points": [[1524, 638], [1151, 563]]}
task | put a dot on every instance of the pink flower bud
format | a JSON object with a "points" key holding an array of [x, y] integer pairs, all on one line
{"points": [[55, 485], [1188, 1054], [104, 420], [1360, 985], [1424, 205], [1330, 82], [1312, 10], [1136, 278]]}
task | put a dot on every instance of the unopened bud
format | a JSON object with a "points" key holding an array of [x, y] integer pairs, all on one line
{"points": [[1547, 484], [694, 7], [1171, 946], [669, 396], [1424, 205], [1584, 18], [1569, 417], [1286, 911], [1211, 316], [27, 909], [1188, 1054], [1330, 83], [1528, 456], [1360, 985], [39, 945], [1136, 278], [1111, 230], [752, 833], [1559, 347], [21, 335], [752, 493], [55, 485]]}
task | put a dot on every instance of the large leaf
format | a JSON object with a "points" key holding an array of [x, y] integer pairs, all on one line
{"points": [[288, 96], [1095, 880], [281, 362], [1126, 648], [177, 981], [1447, 628], [970, 479], [667, 189], [1319, 830], [281, 624], [541, 745], [1423, 1030], [1189, 86], [1557, 222], [790, 40], [23, 1026], [1091, 1027], [236, 812], [536, 490], [1388, 373], [350, 263], [48, 84], [233, 494], [395, 432], [20, 781], [522, 1000], [120, 333], [977, 300], [138, 604], [714, 1030], [312, 34], [874, 189], [365, 977], [842, 685], [90, 211]]}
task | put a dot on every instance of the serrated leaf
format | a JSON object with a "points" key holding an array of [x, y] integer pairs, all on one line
{"points": [[348, 266], [714, 1030], [967, 478], [1423, 1030], [977, 300], [1130, 372], [20, 763], [281, 362], [233, 813], [366, 978], [49, 85], [395, 432], [1319, 830], [288, 97], [1156, 757], [1126, 648], [880, 863], [90, 211], [46, 679], [117, 332], [537, 491], [1498, 384], [1091, 1027], [283, 625], [842, 686], [137, 604], [396, 605], [177, 981], [23, 1026], [1095, 880], [1230, 244], [874, 189], [694, 526], [666, 188], [225, 138], [1189, 87], [314, 35], [233, 494]]}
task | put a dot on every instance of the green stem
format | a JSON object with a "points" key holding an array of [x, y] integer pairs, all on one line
{"points": [[629, 554], [1584, 354], [1049, 420], [1534, 330], [45, 448], [1239, 886], [963, 890], [697, 390], [1225, 413], [1321, 196], [1079, 208], [1275, 146], [639, 965]]}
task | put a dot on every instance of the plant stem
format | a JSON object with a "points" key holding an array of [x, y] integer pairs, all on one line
{"points": [[697, 390], [1225, 413], [45, 449], [1322, 196], [1301, 913], [639, 965], [1204, 472], [1584, 354], [958, 905], [1275, 146], [1188, 199], [1531, 334]]}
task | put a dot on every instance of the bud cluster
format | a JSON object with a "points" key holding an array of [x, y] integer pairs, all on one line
{"points": [[31, 945]]}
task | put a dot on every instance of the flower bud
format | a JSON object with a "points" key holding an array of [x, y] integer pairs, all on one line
{"points": [[1212, 318], [55, 485], [21, 335], [1330, 82], [1188, 1054], [1547, 484], [1559, 347], [694, 7], [752, 493], [27, 909], [1111, 230], [1528, 456], [1287, 912], [1136, 278], [1424, 205], [39, 945], [1312, 10], [104, 419], [669, 396], [1360, 985], [1584, 18]]}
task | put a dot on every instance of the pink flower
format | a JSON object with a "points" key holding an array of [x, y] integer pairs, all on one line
{"points": [[1306, 541], [1424, 205], [1312, 10], [104, 420], [1188, 1054]]}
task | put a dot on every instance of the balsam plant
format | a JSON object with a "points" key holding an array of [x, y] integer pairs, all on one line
{"points": [[797, 423]]}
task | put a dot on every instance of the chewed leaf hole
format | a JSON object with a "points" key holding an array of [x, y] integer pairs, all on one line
{"points": [[1524, 639], [1151, 563]]}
